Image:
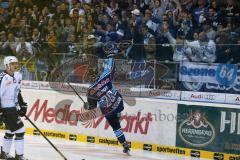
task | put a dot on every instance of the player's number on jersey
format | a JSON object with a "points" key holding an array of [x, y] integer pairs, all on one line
{"points": [[108, 99]]}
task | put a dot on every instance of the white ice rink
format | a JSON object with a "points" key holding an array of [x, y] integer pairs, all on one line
{"points": [[37, 148]]}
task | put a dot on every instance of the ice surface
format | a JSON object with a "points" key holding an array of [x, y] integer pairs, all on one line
{"points": [[37, 148]]}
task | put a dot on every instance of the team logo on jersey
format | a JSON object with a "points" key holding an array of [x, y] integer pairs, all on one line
{"points": [[196, 130]]}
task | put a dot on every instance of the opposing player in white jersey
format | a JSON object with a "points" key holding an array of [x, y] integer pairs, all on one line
{"points": [[10, 96]]}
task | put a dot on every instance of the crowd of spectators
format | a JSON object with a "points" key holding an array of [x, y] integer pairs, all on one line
{"points": [[163, 30]]}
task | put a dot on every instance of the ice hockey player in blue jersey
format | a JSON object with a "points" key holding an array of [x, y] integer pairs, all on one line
{"points": [[10, 96], [104, 95]]}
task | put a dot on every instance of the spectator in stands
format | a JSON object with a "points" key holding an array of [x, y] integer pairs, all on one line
{"points": [[92, 45], [123, 6], [215, 6], [71, 45], [51, 25], [24, 52], [137, 53], [151, 22], [200, 13], [89, 18], [136, 18], [184, 23], [149, 44], [24, 49], [111, 34], [69, 28], [18, 18], [231, 9], [59, 34], [36, 11], [45, 12], [11, 44], [164, 51], [3, 36], [96, 12], [81, 25], [213, 18], [117, 24], [105, 20], [52, 41], [76, 6], [74, 17], [207, 27], [2, 41], [187, 4], [111, 8], [159, 9], [30, 18], [204, 50], [195, 36], [223, 49], [13, 27], [181, 51], [37, 41], [172, 6], [3, 18]]}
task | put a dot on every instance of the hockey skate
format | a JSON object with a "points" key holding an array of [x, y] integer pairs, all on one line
{"points": [[20, 157], [126, 148], [5, 156]]}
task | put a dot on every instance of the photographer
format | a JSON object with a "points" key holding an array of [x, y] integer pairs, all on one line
{"points": [[24, 49], [36, 41], [24, 53]]}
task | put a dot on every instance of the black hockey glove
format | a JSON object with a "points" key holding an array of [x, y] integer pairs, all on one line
{"points": [[89, 106], [23, 109], [86, 106], [22, 104], [91, 101]]}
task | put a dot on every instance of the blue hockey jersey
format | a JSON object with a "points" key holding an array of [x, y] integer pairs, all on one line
{"points": [[104, 93]]}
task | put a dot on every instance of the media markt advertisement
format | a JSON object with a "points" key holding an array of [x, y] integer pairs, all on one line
{"points": [[208, 128]]}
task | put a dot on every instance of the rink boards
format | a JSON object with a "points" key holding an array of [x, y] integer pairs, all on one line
{"points": [[155, 121]]}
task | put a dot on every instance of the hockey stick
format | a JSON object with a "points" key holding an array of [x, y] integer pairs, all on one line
{"points": [[74, 90], [45, 137]]}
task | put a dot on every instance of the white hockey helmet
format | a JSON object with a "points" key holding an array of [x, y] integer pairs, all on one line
{"points": [[9, 59]]}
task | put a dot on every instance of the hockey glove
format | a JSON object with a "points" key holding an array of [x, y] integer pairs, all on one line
{"points": [[86, 106], [23, 109], [91, 102], [89, 106]]}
